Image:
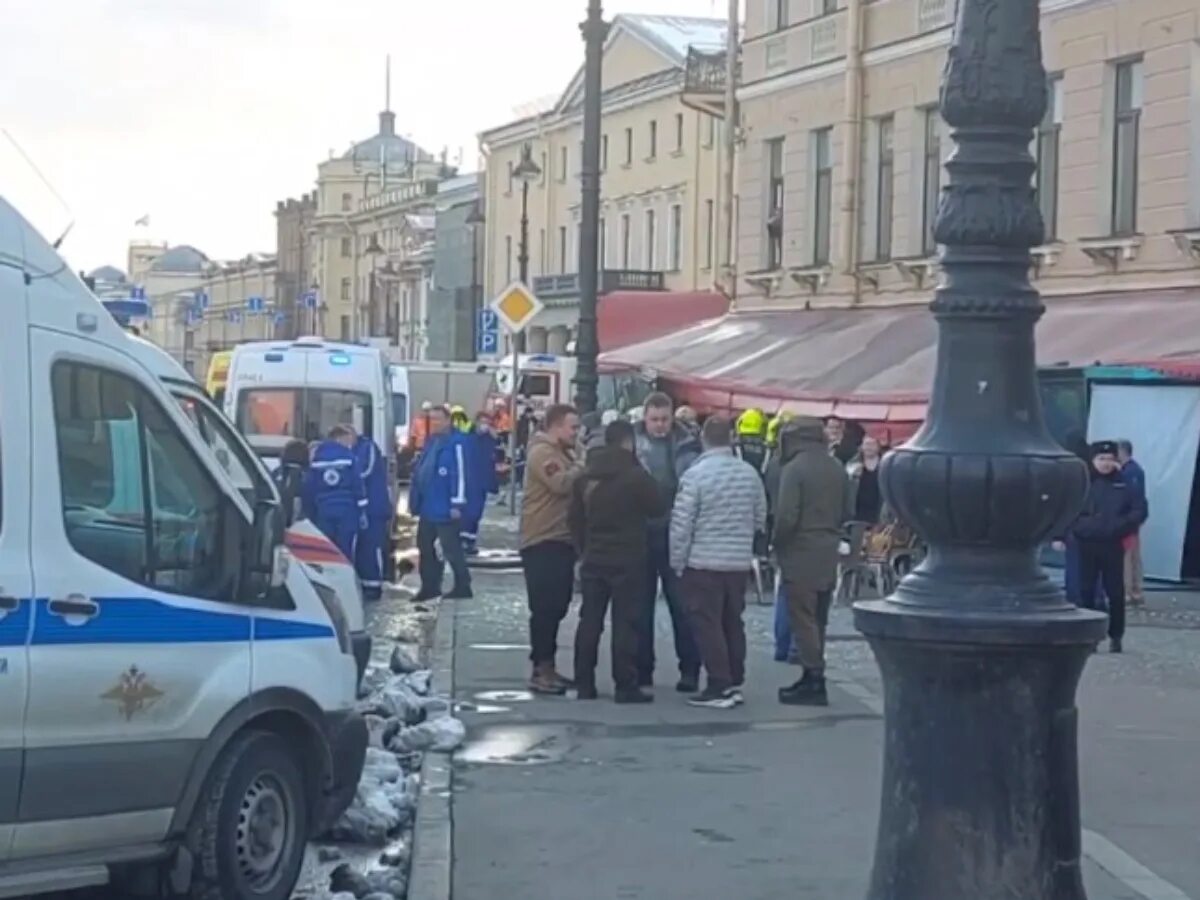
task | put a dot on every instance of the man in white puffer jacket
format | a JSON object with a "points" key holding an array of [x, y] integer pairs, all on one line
{"points": [[719, 508]]}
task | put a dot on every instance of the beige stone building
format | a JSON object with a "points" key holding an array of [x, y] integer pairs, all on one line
{"points": [[660, 167], [361, 235], [841, 149]]}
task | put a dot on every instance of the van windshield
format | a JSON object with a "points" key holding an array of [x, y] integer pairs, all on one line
{"points": [[399, 409], [270, 417]]}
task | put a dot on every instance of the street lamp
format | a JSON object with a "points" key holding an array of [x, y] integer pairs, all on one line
{"points": [[980, 654], [526, 172], [374, 251], [587, 345]]}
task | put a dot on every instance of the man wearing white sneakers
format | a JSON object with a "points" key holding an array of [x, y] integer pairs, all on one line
{"points": [[719, 508]]}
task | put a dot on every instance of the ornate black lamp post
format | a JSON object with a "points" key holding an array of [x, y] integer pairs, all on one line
{"points": [[980, 653], [587, 347]]}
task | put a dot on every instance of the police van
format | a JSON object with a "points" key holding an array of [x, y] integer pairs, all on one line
{"points": [[176, 697], [322, 562]]}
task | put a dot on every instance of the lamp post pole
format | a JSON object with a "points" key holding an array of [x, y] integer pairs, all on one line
{"points": [[587, 345], [527, 171], [980, 653]]}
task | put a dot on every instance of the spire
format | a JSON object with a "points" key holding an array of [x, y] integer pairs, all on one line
{"points": [[387, 118]]}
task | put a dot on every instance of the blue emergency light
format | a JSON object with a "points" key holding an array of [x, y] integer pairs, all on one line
{"points": [[273, 357], [339, 359]]}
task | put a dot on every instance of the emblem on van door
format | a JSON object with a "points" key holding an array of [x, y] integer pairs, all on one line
{"points": [[133, 693]]}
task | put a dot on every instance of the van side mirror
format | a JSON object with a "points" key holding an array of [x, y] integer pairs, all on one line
{"points": [[265, 559]]}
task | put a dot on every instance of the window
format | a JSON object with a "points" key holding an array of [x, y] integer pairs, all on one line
{"points": [[675, 259], [651, 240], [270, 417], [625, 240], [604, 153], [653, 140], [710, 130], [509, 189], [678, 132], [346, 249], [347, 202], [932, 180], [628, 146], [1125, 146], [562, 248], [564, 162], [774, 204], [345, 289], [777, 14], [228, 448], [545, 169], [828, 6], [136, 500], [1047, 156], [602, 254], [709, 232], [345, 328], [822, 194], [508, 259], [885, 197]]}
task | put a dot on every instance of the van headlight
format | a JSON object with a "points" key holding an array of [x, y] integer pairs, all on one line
{"points": [[340, 627]]}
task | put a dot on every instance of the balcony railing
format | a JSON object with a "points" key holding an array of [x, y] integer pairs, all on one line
{"points": [[705, 78], [561, 287]]}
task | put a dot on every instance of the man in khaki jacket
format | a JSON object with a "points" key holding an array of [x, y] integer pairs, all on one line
{"points": [[547, 548]]}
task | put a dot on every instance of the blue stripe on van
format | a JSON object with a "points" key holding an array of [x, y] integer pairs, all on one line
{"points": [[138, 620], [14, 627]]}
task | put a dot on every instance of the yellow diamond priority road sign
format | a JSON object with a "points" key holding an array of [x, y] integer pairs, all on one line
{"points": [[516, 307]]}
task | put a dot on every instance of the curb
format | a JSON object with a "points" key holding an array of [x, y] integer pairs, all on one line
{"points": [[433, 837]]}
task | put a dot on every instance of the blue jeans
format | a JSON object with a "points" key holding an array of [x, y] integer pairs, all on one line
{"points": [[658, 568]]}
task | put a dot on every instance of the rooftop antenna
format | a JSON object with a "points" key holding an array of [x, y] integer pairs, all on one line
{"points": [[46, 181], [387, 122]]}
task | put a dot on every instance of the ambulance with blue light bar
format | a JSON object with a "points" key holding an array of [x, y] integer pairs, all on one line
{"points": [[279, 391]]}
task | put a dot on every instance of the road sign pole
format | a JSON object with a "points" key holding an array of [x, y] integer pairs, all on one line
{"points": [[512, 431]]}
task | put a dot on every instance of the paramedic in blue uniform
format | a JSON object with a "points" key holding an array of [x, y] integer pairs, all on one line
{"points": [[437, 498], [333, 491], [373, 538], [481, 481]]}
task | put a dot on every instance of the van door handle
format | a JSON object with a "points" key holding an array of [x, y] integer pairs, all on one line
{"points": [[8, 604], [75, 605]]}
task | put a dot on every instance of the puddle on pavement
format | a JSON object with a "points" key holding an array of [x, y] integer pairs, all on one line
{"points": [[504, 696], [481, 708], [515, 745], [499, 646]]}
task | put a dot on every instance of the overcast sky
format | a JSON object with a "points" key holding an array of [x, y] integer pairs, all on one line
{"points": [[203, 113]]}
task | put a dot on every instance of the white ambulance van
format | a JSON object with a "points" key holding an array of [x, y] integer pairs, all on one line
{"points": [[319, 556], [176, 697]]}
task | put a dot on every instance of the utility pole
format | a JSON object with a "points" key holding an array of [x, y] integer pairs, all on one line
{"points": [[980, 652], [587, 343], [729, 161]]}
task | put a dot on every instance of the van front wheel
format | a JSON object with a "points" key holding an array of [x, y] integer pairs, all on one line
{"points": [[249, 831]]}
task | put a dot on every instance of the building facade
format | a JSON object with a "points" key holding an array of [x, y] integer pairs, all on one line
{"points": [[457, 257], [842, 149], [294, 275], [660, 165]]}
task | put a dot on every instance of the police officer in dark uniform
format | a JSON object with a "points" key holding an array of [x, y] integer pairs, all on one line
{"points": [[1112, 511]]}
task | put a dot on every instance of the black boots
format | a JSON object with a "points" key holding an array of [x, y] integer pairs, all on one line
{"points": [[808, 691]]}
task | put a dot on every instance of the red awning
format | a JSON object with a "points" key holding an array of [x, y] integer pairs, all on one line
{"points": [[630, 317], [876, 364]]}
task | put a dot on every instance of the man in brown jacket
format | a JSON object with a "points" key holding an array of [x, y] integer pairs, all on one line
{"points": [[547, 550], [812, 507]]}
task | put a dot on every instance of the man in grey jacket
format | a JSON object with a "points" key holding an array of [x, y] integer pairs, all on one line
{"points": [[665, 449], [719, 508]]}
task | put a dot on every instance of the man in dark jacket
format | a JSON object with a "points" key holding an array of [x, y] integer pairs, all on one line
{"points": [[1112, 511], [666, 450], [610, 506], [812, 507]]}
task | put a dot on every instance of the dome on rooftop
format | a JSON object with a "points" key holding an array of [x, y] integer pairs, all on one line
{"points": [[183, 258], [394, 149], [108, 275]]}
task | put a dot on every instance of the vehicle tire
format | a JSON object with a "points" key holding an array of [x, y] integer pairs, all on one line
{"points": [[250, 827]]}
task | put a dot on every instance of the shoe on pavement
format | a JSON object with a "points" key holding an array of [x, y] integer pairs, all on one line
{"points": [[425, 596], [721, 698], [456, 594], [632, 695], [808, 691], [567, 683], [688, 684], [586, 692], [543, 682], [1114, 645]]}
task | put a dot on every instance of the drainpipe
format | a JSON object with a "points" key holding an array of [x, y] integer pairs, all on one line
{"points": [[852, 145]]}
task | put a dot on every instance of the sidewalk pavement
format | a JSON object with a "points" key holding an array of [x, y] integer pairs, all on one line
{"points": [[580, 800]]}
